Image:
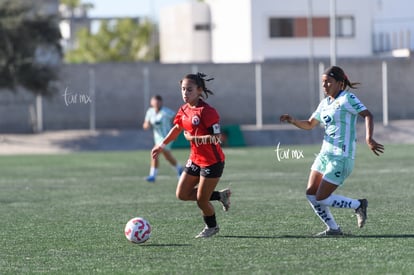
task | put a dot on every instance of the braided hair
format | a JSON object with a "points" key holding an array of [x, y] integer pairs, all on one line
{"points": [[339, 75], [200, 80]]}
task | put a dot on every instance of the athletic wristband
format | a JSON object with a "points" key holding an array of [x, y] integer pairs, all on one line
{"points": [[162, 145]]}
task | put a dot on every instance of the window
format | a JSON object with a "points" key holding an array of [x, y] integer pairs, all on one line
{"points": [[345, 27], [281, 27], [298, 27], [202, 27]]}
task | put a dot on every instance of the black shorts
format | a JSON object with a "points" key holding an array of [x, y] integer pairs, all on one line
{"points": [[212, 171]]}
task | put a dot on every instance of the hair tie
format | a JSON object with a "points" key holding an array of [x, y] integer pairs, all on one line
{"points": [[201, 75]]}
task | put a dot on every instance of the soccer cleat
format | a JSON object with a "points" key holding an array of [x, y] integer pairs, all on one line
{"points": [[208, 232], [151, 179], [330, 233], [225, 198], [361, 212]]}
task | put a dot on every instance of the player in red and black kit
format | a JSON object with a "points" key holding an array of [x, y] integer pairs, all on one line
{"points": [[201, 125]]}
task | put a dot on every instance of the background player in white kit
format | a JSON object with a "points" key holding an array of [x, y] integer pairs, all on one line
{"points": [[159, 118], [338, 112]]}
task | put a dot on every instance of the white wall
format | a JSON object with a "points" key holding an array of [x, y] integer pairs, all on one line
{"points": [[232, 31], [241, 31], [360, 45], [179, 42]]}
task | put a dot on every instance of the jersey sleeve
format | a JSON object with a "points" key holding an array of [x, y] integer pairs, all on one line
{"points": [[211, 120], [317, 114], [354, 105], [148, 115], [177, 118]]}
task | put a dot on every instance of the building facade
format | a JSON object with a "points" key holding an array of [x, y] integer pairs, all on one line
{"points": [[185, 33], [255, 31]]}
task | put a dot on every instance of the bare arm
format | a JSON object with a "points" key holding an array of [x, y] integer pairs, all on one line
{"points": [[302, 124], [146, 125], [375, 147], [172, 135]]}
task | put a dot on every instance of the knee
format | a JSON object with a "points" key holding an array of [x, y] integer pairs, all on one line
{"points": [[201, 202], [204, 206], [181, 196]]}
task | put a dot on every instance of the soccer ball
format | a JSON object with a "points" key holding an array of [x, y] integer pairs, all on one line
{"points": [[137, 230]]}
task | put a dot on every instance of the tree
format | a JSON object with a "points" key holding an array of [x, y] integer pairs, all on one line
{"points": [[71, 3], [119, 40], [30, 50], [76, 5]]}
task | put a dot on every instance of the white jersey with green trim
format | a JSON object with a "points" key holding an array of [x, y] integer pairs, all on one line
{"points": [[161, 121], [339, 116]]}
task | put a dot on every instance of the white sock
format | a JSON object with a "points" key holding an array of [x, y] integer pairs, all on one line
{"points": [[323, 212], [153, 171], [339, 201]]}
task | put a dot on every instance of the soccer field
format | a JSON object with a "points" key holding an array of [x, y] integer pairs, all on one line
{"points": [[65, 214]]}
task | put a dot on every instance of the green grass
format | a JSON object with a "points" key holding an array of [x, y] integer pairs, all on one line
{"points": [[65, 214]]}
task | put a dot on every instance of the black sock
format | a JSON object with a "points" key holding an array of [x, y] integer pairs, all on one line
{"points": [[215, 196], [210, 221]]}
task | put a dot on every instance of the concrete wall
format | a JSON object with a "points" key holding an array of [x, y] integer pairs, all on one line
{"points": [[121, 100]]}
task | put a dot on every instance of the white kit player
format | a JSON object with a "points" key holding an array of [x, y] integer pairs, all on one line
{"points": [[159, 118], [338, 112]]}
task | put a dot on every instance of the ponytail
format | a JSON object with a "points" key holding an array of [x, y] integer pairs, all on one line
{"points": [[348, 83]]}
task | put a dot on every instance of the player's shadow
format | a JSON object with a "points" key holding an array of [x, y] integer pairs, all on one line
{"points": [[384, 236], [379, 236], [265, 237]]}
